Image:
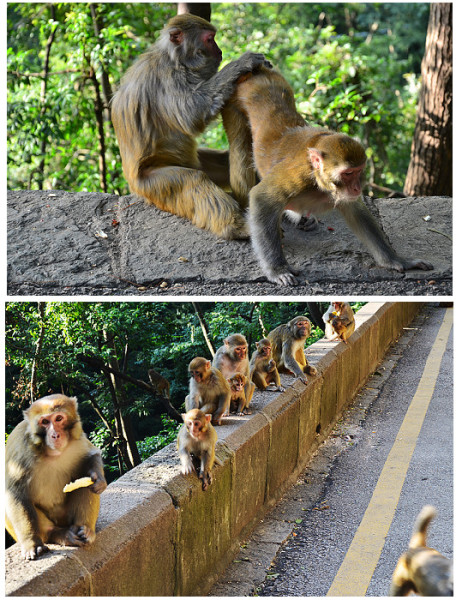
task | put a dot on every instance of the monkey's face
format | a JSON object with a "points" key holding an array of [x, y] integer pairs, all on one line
{"points": [[196, 428], [198, 375], [240, 352], [265, 351], [237, 383], [301, 329], [210, 46], [54, 428]]}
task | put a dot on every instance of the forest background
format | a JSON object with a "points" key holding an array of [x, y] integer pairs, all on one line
{"points": [[354, 67], [101, 352]]}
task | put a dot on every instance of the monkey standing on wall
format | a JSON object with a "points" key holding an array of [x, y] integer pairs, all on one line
{"points": [[287, 343], [340, 321], [46, 451], [167, 98], [196, 445], [233, 358], [302, 169]]}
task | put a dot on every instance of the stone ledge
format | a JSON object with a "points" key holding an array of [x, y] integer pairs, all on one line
{"points": [[158, 534]]}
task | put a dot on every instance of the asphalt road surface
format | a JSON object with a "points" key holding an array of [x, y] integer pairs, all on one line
{"points": [[352, 511]]}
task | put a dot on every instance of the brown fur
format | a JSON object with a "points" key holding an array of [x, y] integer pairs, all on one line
{"points": [[208, 391]]}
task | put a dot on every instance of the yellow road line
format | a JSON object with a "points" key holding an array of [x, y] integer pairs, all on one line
{"points": [[358, 566]]}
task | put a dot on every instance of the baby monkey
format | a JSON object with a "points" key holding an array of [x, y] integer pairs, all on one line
{"points": [[238, 400], [263, 367], [340, 321], [196, 445]]}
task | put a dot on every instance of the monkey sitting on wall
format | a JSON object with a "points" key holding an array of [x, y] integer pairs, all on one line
{"points": [[263, 367], [44, 453], [167, 98], [208, 390], [196, 445], [340, 321], [302, 170], [287, 344]]}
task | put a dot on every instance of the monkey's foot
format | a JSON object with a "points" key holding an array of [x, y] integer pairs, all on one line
{"points": [[307, 223], [402, 264], [33, 550], [283, 276], [310, 370], [79, 535]]}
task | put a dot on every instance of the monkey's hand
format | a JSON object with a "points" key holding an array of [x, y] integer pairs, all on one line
{"points": [[79, 535], [99, 483], [32, 549], [186, 465], [310, 370], [282, 275]]}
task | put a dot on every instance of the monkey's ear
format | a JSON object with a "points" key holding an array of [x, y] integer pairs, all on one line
{"points": [[208, 418], [316, 159], [208, 364], [176, 37], [183, 417], [257, 344]]}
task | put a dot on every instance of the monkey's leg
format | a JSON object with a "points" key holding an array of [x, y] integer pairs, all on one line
{"points": [[249, 389], [205, 470], [82, 507], [241, 165], [363, 224], [267, 203], [23, 525], [191, 194]]}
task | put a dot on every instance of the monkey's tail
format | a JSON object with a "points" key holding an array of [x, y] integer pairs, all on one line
{"points": [[419, 535]]}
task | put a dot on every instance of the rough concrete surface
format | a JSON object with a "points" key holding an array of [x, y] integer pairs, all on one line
{"points": [[62, 243]]}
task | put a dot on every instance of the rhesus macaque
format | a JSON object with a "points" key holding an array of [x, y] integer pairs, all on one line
{"points": [[287, 343], [159, 383], [340, 321], [263, 368], [422, 570], [166, 98], [196, 445], [302, 169], [238, 401], [209, 390], [46, 451], [233, 358]]}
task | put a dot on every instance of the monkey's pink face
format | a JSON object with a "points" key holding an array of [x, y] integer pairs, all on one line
{"points": [[265, 351], [240, 352], [55, 427], [237, 384], [198, 375], [349, 182], [208, 39], [195, 427]]}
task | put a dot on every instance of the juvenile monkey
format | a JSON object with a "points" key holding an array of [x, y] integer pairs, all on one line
{"points": [[159, 383], [302, 169], [209, 390], [46, 451], [263, 367], [287, 343], [196, 445], [422, 570], [238, 401], [167, 98], [233, 358], [340, 321]]}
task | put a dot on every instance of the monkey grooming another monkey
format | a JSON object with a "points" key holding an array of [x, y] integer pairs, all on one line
{"points": [[302, 169], [196, 445], [166, 98], [209, 390], [263, 368], [233, 358], [46, 451], [287, 343], [340, 321], [422, 570]]}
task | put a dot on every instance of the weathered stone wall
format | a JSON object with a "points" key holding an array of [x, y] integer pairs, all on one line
{"points": [[160, 535]]}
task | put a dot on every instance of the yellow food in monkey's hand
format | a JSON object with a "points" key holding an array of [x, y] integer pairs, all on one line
{"points": [[77, 483]]}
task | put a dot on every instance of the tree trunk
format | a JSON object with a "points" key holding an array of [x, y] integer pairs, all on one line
{"points": [[200, 9], [429, 172]]}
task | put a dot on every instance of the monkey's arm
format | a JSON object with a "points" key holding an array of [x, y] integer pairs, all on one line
{"points": [[290, 363], [92, 466], [363, 224]]}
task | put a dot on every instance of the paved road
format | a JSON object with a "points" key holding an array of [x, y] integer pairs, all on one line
{"points": [[342, 500]]}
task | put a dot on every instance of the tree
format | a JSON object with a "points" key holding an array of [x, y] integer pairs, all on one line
{"points": [[430, 168]]}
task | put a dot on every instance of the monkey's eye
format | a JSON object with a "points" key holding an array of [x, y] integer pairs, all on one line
{"points": [[44, 421], [59, 418]]}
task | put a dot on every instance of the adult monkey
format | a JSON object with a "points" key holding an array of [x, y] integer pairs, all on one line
{"points": [[302, 169], [167, 97]]}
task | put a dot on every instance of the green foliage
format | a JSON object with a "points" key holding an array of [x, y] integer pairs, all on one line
{"points": [[167, 435]]}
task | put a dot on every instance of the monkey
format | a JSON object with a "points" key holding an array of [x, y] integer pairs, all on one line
{"points": [[233, 358], [422, 570], [287, 344], [196, 445], [165, 99], [302, 169], [340, 321], [159, 383], [263, 368], [46, 451], [209, 390], [238, 401]]}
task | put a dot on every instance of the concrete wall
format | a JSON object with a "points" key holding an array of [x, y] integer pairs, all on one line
{"points": [[160, 535]]}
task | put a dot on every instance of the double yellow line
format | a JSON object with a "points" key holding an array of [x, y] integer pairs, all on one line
{"points": [[356, 571]]}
